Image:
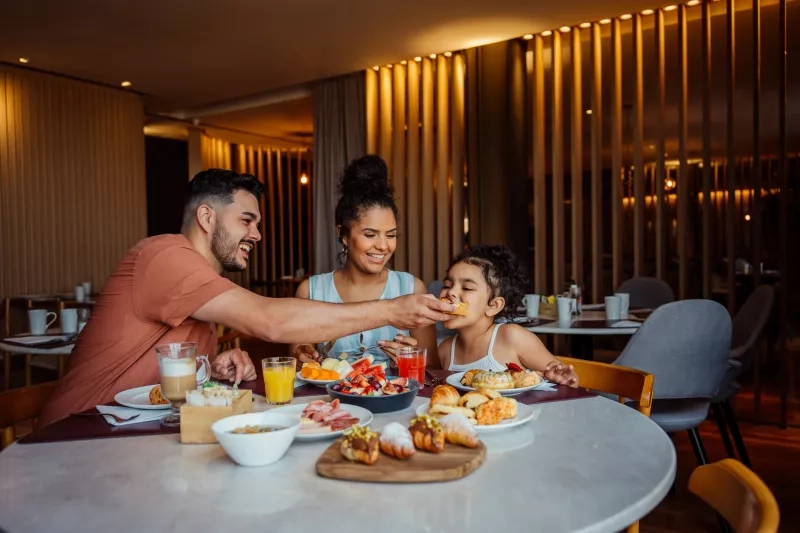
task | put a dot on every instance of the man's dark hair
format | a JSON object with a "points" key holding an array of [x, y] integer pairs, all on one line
{"points": [[216, 186]]}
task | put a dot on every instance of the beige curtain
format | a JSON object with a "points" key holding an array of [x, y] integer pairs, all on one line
{"points": [[339, 137]]}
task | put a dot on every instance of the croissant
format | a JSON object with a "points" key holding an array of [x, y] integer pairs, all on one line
{"points": [[427, 433], [396, 441], [360, 444], [458, 430], [444, 395]]}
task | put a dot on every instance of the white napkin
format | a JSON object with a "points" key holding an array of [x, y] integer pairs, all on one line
{"points": [[38, 339], [127, 412], [546, 386], [626, 324]]}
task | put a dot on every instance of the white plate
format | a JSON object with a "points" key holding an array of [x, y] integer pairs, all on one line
{"points": [[455, 381], [524, 413], [318, 382], [364, 417], [138, 398]]}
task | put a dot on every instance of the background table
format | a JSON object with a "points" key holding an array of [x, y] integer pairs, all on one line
{"points": [[587, 465]]}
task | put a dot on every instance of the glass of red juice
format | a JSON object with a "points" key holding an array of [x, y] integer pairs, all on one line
{"points": [[411, 363]]}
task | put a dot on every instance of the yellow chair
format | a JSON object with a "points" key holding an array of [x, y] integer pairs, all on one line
{"points": [[736, 493], [22, 404], [626, 383]]}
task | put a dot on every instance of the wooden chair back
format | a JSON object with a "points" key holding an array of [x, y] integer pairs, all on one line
{"points": [[626, 383], [19, 405], [739, 495], [227, 339]]}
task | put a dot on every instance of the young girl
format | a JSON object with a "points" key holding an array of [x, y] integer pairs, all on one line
{"points": [[489, 279]]}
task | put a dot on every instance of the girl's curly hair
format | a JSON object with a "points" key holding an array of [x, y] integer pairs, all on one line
{"points": [[502, 271]]}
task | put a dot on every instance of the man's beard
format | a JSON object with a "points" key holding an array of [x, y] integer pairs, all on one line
{"points": [[225, 249]]}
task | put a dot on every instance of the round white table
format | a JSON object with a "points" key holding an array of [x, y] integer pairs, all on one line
{"points": [[589, 323], [588, 465]]}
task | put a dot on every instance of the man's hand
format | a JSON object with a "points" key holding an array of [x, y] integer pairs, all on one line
{"points": [[418, 310], [390, 348], [234, 365], [305, 353]]}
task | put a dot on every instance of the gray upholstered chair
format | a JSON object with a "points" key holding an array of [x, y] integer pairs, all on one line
{"points": [[649, 293], [441, 332], [685, 345], [749, 325]]}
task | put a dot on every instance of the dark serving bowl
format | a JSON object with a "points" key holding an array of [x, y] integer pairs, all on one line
{"points": [[379, 404]]}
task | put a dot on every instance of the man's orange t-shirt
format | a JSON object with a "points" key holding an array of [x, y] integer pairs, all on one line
{"points": [[146, 301]]}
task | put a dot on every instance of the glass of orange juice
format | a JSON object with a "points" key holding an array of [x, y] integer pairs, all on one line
{"points": [[279, 373]]}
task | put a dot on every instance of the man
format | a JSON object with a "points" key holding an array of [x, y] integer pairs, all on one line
{"points": [[168, 288]]}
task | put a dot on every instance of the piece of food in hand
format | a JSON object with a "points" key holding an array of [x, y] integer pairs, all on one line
{"points": [[444, 395], [360, 444], [468, 376], [473, 399], [458, 430], [461, 308], [496, 410], [396, 441], [427, 433], [493, 380], [156, 398]]}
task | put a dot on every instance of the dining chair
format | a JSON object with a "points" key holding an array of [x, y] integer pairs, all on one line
{"points": [[627, 384], [19, 405], [738, 494], [649, 293], [748, 325]]}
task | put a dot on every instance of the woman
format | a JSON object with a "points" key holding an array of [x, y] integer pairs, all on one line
{"points": [[366, 224]]}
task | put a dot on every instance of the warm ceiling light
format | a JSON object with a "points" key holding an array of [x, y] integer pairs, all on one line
{"points": [[692, 3], [126, 84], [304, 178], [528, 36], [586, 25], [588, 111], [547, 33], [747, 217], [23, 60], [669, 183], [376, 68], [417, 59], [647, 12], [564, 29], [448, 54], [605, 21], [404, 62], [389, 66], [432, 56], [625, 17], [670, 8]]}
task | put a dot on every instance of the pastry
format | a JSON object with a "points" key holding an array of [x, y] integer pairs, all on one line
{"points": [[360, 444], [526, 379], [396, 441], [156, 398], [489, 393], [492, 380], [473, 399], [458, 430], [462, 308], [493, 411], [441, 410], [427, 433], [444, 395], [466, 379]]}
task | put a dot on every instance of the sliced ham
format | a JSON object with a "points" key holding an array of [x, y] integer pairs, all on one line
{"points": [[343, 423]]}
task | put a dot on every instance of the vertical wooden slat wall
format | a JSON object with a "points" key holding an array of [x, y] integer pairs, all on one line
{"points": [[557, 164], [757, 181], [597, 163], [683, 169], [730, 167], [576, 165], [638, 150], [539, 168], [371, 114], [707, 165], [616, 153], [71, 154], [422, 129], [661, 149]]}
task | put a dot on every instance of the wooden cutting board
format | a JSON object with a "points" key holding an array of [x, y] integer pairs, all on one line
{"points": [[453, 462]]}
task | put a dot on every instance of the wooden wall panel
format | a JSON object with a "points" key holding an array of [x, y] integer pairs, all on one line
{"points": [[72, 181], [413, 202], [457, 111], [576, 148], [539, 168], [398, 170], [638, 150], [597, 164], [557, 175], [683, 169], [443, 251]]}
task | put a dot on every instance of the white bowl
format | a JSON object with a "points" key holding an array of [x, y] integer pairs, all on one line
{"points": [[256, 449]]}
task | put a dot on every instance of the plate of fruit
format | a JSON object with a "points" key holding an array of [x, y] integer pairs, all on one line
{"points": [[332, 370], [368, 386]]}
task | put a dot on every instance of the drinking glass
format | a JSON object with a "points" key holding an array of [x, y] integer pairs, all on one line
{"points": [[411, 363], [279, 373], [177, 368]]}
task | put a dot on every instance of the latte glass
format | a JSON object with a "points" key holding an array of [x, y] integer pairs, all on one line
{"points": [[177, 369]]}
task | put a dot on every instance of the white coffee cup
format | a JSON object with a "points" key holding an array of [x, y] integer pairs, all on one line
{"points": [[40, 320], [80, 293], [532, 305], [87, 289], [69, 320], [625, 303], [613, 307], [566, 306]]}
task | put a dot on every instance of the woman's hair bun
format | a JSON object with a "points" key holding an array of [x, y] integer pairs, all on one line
{"points": [[366, 177]]}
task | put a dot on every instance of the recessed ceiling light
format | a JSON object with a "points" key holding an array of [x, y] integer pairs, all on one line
{"points": [[23, 60], [389, 66], [126, 84], [605, 21], [404, 62], [588, 111], [647, 12], [625, 16], [432, 56], [448, 54], [691, 3], [586, 25], [376, 68], [417, 59], [670, 8], [304, 178], [564, 29], [547, 33], [528, 36]]}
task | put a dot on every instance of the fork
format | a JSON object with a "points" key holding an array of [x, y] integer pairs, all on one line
{"points": [[115, 417]]}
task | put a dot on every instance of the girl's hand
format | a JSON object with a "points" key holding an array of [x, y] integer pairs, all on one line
{"points": [[305, 353], [400, 341], [560, 373]]}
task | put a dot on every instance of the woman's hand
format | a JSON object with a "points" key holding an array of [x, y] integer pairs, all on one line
{"points": [[560, 373], [305, 353], [400, 341]]}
